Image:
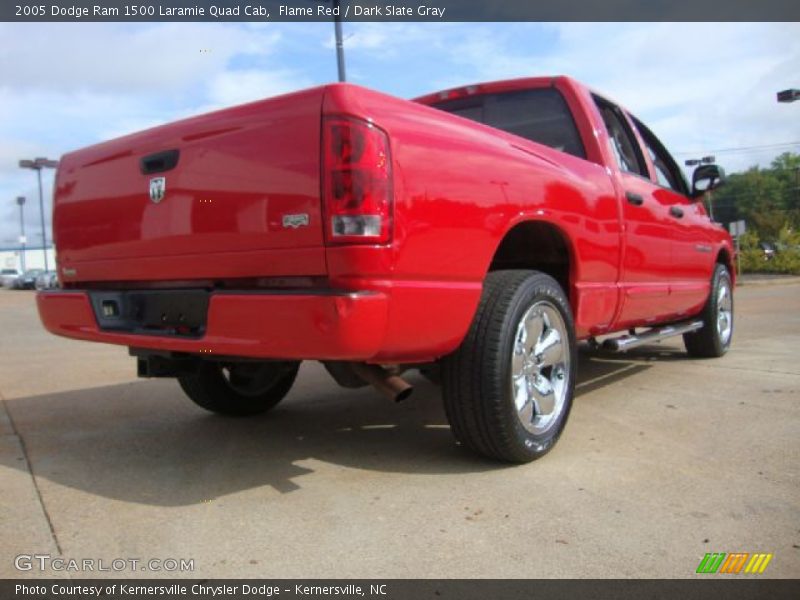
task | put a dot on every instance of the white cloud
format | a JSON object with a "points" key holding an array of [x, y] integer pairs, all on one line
{"points": [[112, 57], [383, 39], [370, 36], [236, 87]]}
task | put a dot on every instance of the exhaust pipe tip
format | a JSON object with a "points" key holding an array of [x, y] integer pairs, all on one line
{"points": [[400, 389], [392, 386], [404, 395]]}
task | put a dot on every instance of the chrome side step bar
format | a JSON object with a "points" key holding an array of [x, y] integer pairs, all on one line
{"points": [[657, 334]]}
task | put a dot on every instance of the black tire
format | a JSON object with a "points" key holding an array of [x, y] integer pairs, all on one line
{"points": [[710, 341], [239, 389], [478, 390]]}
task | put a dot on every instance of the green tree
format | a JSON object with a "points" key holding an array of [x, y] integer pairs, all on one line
{"points": [[767, 199], [787, 171]]}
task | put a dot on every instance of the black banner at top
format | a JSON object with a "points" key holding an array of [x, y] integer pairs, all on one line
{"points": [[399, 10]]}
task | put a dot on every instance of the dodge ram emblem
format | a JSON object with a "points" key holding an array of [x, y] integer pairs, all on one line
{"points": [[158, 187]]}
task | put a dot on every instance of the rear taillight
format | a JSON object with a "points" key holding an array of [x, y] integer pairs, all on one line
{"points": [[357, 182]]}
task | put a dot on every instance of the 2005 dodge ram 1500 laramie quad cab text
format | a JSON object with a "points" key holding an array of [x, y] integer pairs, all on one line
{"points": [[475, 234]]}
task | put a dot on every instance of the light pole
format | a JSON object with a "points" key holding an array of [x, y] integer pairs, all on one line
{"points": [[337, 27], [37, 165], [22, 240], [696, 162], [787, 96]]}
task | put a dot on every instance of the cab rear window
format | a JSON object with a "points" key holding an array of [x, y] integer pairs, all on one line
{"points": [[540, 115]]}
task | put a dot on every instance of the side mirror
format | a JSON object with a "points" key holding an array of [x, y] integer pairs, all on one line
{"points": [[706, 178]]}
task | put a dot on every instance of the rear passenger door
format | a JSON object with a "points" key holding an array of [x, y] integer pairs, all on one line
{"points": [[691, 251], [646, 263]]}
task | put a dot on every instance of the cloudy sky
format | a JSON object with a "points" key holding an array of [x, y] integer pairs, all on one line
{"points": [[703, 88]]}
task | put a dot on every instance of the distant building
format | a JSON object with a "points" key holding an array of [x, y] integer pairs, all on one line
{"points": [[11, 258]]}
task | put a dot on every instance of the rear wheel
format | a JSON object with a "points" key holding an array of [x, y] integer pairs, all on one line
{"points": [[239, 389], [715, 337], [508, 388]]}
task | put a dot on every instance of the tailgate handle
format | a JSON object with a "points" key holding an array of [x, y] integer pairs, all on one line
{"points": [[159, 162]]}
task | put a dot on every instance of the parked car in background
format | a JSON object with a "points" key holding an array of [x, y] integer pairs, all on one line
{"points": [[27, 281], [47, 280], [768, 250], [7, 277]]}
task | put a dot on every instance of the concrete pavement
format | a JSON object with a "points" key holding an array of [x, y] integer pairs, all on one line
{"points": [[664, 459]]}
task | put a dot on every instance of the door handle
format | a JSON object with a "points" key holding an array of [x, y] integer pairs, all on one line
{"points": [[676, 212], [634, 198]]}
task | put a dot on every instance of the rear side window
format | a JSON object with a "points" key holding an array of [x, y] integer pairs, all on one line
{"points": [[540, 115], [667, 171], [623, 143]]}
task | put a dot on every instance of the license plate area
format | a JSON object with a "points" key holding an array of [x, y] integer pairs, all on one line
{"points": [[181, 313]]}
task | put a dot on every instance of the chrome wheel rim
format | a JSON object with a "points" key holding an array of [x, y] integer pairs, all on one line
{"points": [[540, 367], [724, 312]]}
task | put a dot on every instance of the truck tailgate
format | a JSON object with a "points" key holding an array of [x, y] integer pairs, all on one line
{"points": [[242, 198]]}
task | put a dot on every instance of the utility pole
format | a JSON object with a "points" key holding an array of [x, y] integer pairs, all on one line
{"points": [[37, 165], [797, 181], [22, 240], [337, 26], [710, 206]]}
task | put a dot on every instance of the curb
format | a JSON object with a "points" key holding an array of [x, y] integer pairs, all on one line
{"points": [[787, 280]]}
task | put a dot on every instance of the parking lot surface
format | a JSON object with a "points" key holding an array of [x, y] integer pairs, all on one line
{"points": [[664, 459]]}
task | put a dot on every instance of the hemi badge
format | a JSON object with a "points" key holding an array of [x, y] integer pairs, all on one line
{"points": [[702, 248], [69, 272], [295, 221]]}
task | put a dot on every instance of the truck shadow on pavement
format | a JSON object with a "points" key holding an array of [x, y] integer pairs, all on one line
{"points": [[144, 442]]}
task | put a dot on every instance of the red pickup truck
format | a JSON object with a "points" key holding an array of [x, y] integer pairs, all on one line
{"points": [[476, 234]]}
